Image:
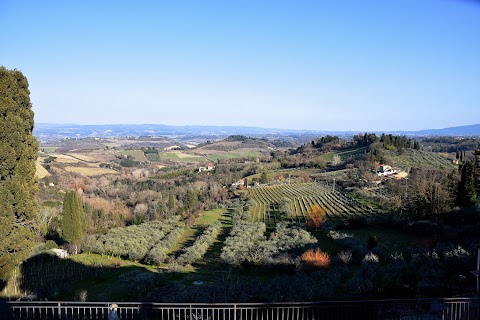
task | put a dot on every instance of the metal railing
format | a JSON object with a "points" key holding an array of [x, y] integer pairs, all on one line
{"points": [[445, 309]]}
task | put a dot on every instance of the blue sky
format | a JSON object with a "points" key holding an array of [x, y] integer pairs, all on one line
{"points": [[321, 65]]}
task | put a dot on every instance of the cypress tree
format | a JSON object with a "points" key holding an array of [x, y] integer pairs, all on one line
{"points": [[191, 198], [74, 223], [467, 191], [171, 200], [264, 177], [18, 184]]}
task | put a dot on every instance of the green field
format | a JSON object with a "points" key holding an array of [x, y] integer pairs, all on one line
{"points": [[231, 155], [327, 156], [344, 154], [181, 157], [206, 218], [48, 149], [294, 173], [137, 155], [209, 217]]}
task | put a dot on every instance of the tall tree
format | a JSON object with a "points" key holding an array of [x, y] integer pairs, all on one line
{"points": [[191, 199], [171, 200], [264, 177], [18, 184], [467, 191], [74, 223]]}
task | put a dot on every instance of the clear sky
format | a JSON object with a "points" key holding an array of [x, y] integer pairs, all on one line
{"points": [[321, 65]]}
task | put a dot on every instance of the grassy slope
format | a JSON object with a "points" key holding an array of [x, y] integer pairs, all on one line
{"points": [[272, 174], [234, 149], [137, 155], [209, 217], [344, 154], [105, 285], [90, 171], [41, 172], [206, 218], [48, 149], [409, 158], [231, 155], [419, 159], [173, 156]]}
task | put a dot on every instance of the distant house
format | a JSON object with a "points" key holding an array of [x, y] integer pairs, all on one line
{"points": [[209, 167], [238, 183], [61, 253], [386, 170]]}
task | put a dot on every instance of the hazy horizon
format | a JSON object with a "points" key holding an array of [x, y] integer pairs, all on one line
{"points": [[256, 127], [304, 65]]}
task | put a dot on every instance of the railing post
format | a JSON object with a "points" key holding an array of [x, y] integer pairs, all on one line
{"points": [[234, 312], [59, 311]]}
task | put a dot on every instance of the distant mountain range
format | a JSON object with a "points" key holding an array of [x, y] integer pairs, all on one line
{"points": [[470, 130], [48, 131]]}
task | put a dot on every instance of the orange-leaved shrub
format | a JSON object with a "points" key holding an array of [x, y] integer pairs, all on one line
{"points": [[316, 215], [315, 259]]}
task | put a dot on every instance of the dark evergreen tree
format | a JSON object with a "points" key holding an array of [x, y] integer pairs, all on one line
{"points": [[264, 177], [191, 199], [171, 200], [74, 223], [467, 191], [18, 184]]}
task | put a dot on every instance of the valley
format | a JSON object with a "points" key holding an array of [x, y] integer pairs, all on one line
{"points": [[167, 214]]}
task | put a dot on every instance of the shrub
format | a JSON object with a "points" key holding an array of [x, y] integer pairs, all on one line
{"points": [[50, 244], [397, 256], [371, 257], [458, 260], [288, 236], [325, 282], [315, 259], [397, 278], [159, 252], [315, 216], [138, 283], [345, 256], [132, 242], [347, 242], [246, 242], [337, 235], [457, 252], [361, 284], [201, 245]]}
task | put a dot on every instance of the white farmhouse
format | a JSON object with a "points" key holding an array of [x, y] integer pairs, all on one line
{"points": [[61, 253]]}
